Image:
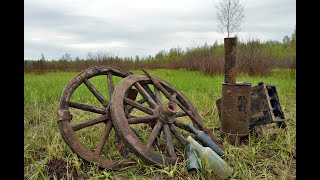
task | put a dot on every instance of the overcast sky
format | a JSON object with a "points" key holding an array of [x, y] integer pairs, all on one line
{"points": [[141, 27]]}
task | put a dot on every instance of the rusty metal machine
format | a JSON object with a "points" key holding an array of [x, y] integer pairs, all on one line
{"points": [[148, 115], [243, 107]]}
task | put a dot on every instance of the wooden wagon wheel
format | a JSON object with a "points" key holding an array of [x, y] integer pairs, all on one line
{"points": [[69, 126], [160, 105]]}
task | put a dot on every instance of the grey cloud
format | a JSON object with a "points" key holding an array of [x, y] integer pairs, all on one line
{"points": [[149, 33]]}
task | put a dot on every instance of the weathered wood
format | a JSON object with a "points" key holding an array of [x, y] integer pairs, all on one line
{"points": [[96, 93], [138, 106], [90, 123], [169, 143], [177, 134], [145, 95], [154, 134], [86, 107], [104, 137]]}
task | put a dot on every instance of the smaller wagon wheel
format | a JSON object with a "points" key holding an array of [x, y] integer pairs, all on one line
{"points": [[163, 108], [75, 120]]}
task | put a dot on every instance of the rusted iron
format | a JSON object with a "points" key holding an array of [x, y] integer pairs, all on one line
{"points": [[235, 111], [236, 98], [165, 107], [230, 60], [68, 131], [265, 106]]}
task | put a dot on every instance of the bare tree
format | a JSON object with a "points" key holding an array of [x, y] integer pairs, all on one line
{"points": [[230, 15], [42, 57], [66, 57]]}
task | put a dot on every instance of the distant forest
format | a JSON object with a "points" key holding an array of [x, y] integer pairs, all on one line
{"points": [[253, 58]]}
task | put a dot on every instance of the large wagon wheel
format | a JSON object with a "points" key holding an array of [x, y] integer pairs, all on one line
{"points": [[71, 127], [163, 107]]}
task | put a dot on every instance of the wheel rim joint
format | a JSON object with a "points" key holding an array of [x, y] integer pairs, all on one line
{"points": [[64, 115]]}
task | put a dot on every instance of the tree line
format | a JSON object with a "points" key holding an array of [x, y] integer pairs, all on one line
{"points": [[253, 57]]}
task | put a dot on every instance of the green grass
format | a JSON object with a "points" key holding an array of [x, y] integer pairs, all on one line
{"points": [[267, 157]]}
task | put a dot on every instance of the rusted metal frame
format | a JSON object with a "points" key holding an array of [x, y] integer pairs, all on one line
{"points": [[177, 134], [144, 119], [268, 100], [110, 84], [145, 95], [104, 137], [86, 107], [168, 138], [154, 134], [138, 106], [96, 93], [90, 123]]}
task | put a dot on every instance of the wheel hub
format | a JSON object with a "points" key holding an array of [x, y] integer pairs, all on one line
{"points": [[167, 112]]}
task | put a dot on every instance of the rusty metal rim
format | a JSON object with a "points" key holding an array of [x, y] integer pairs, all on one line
{"points": [[126, 132], [67, 131]]}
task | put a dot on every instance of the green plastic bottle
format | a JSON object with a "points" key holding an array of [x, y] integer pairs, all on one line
{"points": [[211, 159]]}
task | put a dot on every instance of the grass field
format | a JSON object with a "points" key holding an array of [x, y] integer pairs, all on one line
{"points": [[267, 157]]}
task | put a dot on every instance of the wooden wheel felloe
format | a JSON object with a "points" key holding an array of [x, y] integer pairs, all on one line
{"points": [[158, 118], [82, 135]]}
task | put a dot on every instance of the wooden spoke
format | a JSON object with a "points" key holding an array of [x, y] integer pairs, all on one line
{"points": [[96, 93], [180, 125], [145, 95], [104, 137], [154, 134], [149, 91], [138, 106], [110, 84], [141, 101], [87, 107], [177, 134], [181, 114], [172, 97], [174, 94], [144, 119], [168, 138], [90, 123], [158, 95], [164, 91]]}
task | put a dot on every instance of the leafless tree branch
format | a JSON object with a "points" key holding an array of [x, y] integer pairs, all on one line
{"points": [[230, 15]]}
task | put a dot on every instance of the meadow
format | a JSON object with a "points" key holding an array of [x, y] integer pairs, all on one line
{"points": [[267, 157]]}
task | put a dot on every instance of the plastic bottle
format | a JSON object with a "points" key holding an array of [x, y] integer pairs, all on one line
{"points": [[211, 159], [205, 140]]}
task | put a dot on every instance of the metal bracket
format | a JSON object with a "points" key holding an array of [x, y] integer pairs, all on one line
{"points": [[63, 115]]}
